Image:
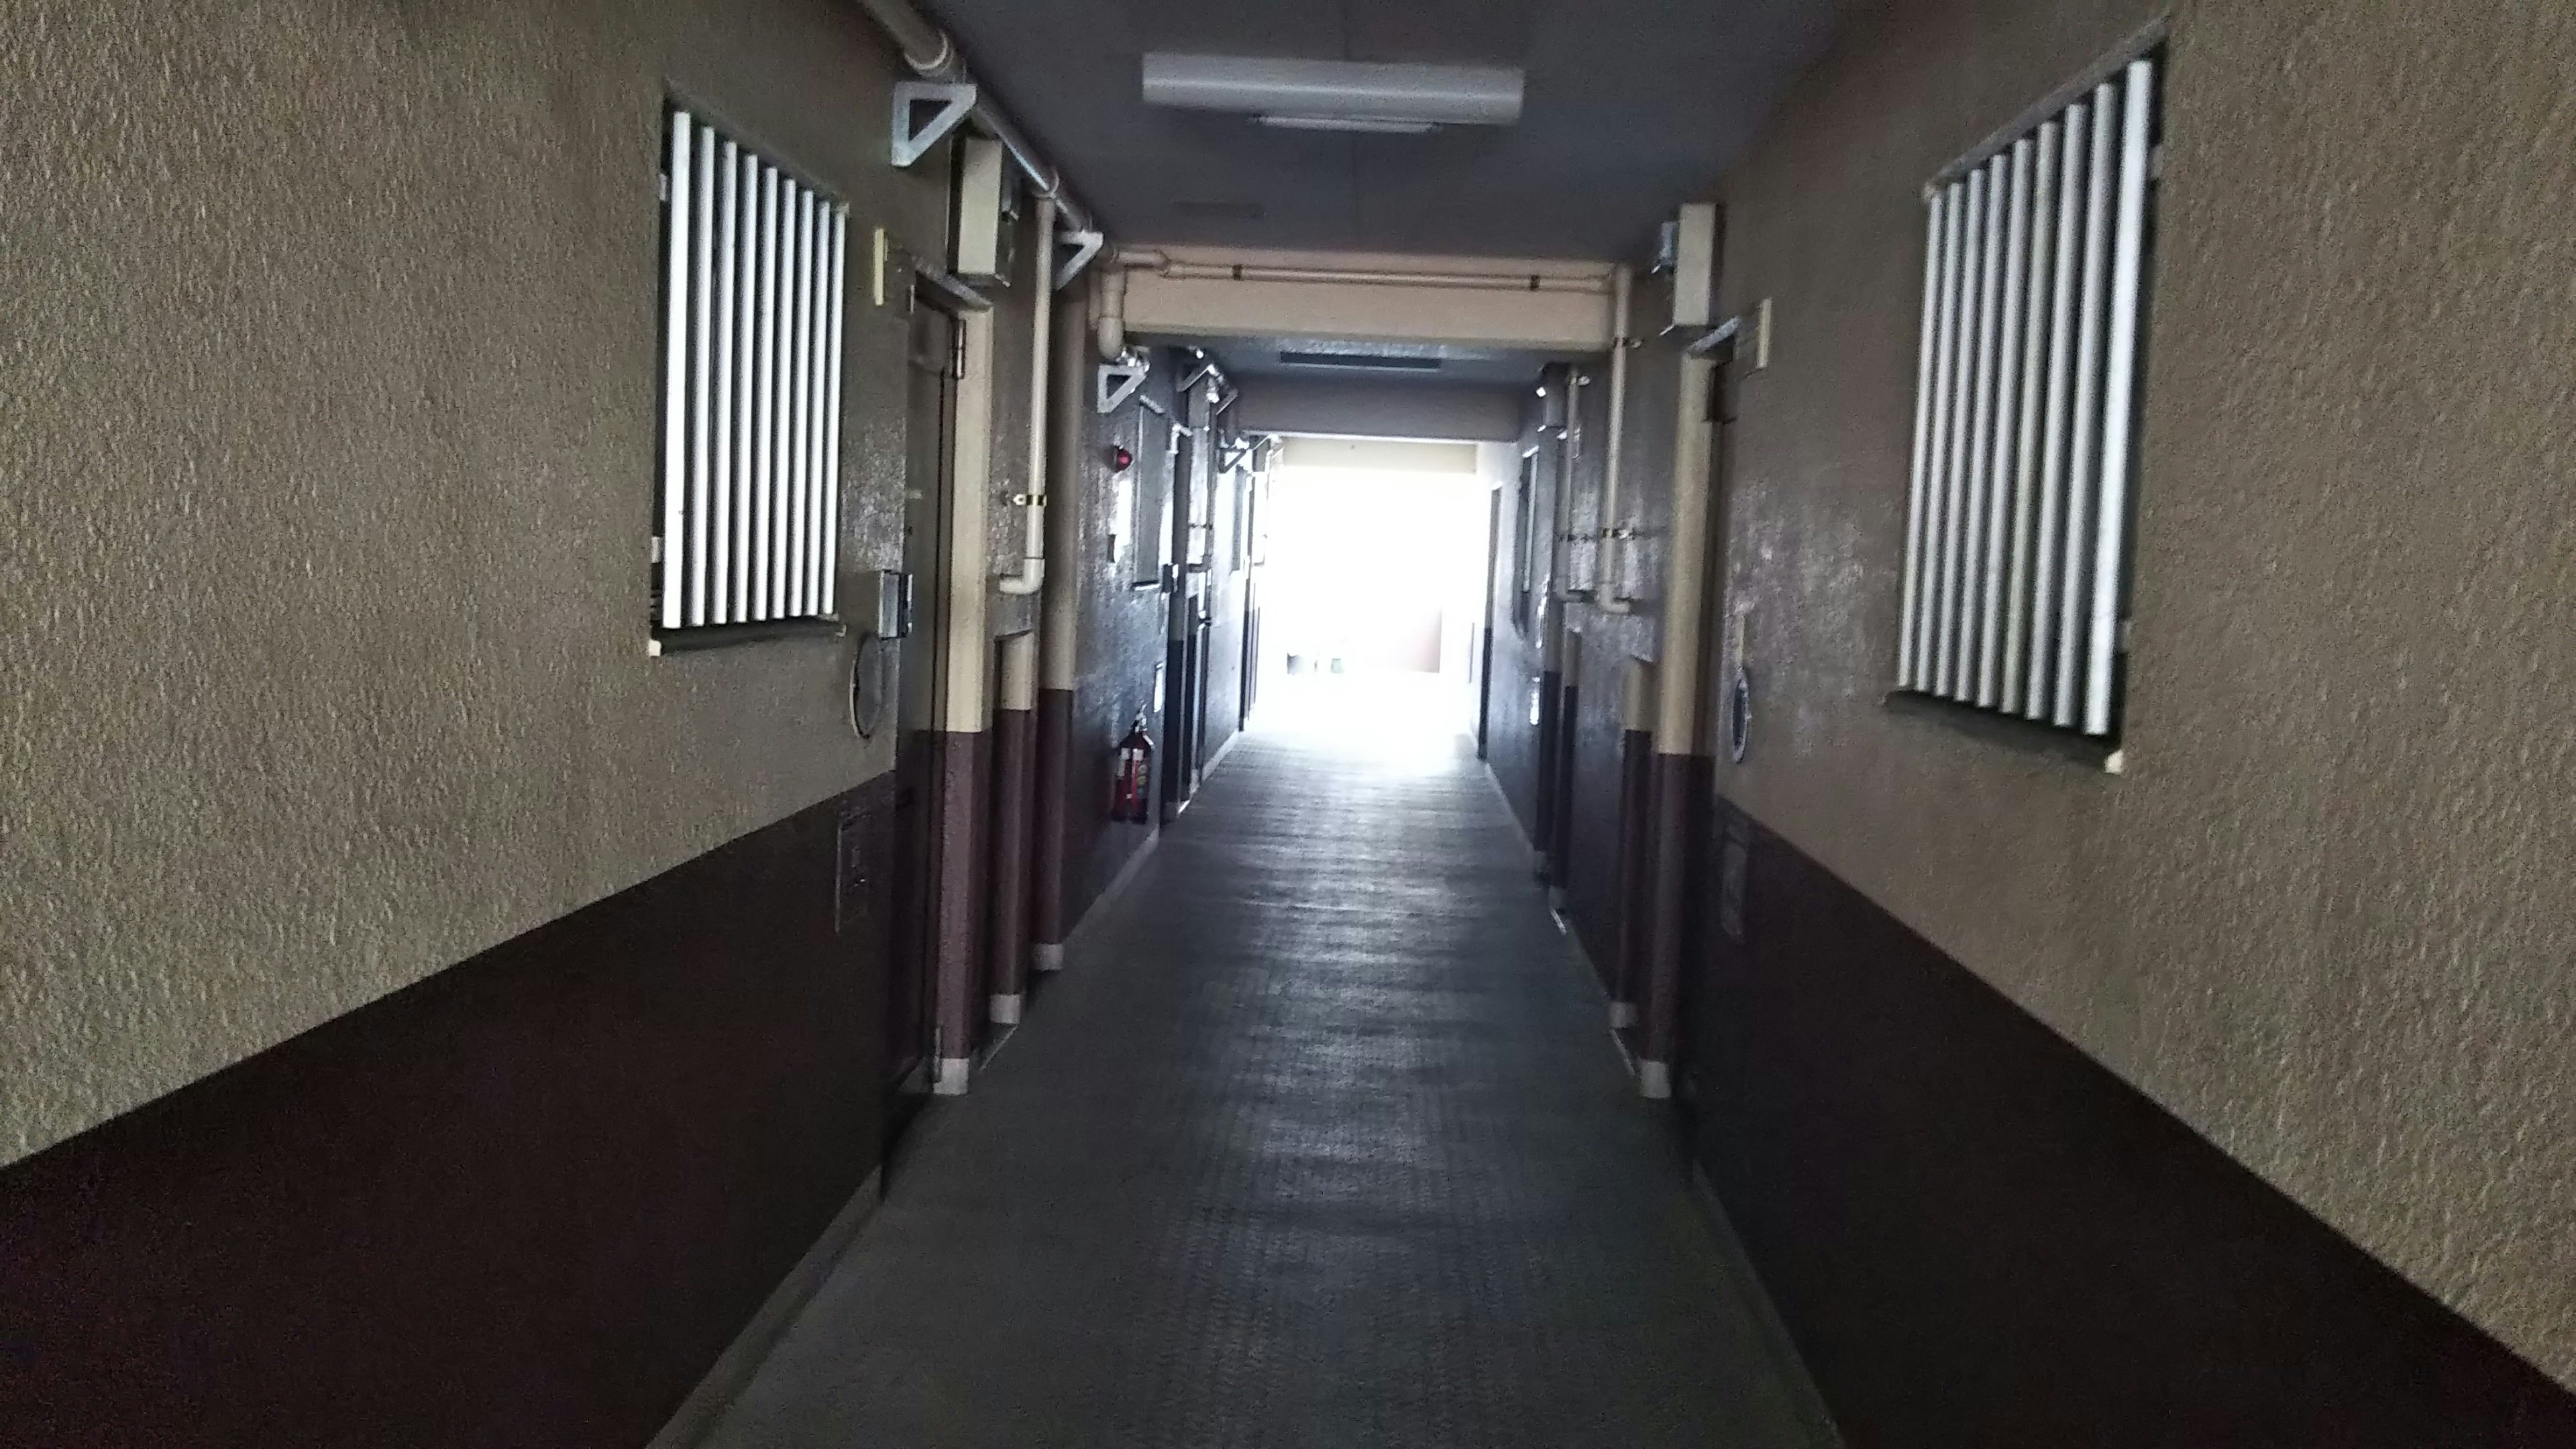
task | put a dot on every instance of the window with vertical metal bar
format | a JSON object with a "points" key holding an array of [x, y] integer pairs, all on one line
{"points": [[2019, 504], [751, 390]]}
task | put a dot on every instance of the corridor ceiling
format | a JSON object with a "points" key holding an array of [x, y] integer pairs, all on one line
{"points": [[1633, 106]]}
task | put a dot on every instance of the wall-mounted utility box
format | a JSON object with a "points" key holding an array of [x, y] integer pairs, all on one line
{"points": [[880, 603], [986, 207], [1695, 265]]}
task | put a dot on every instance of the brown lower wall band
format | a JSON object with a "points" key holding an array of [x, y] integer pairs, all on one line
{"points": [[1047, 923], [1014, 745], [1677, 795], [1627, 965], [1560, 834], [526, 1201], [1980, 1236]]}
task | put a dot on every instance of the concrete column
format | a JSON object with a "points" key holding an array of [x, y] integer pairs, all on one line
{"points": [[1681, 773], [1068, 487], [960, 739]]}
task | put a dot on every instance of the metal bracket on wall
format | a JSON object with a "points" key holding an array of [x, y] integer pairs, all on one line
{"points": [[1116, 382], [1085, 246], [912, 136]]}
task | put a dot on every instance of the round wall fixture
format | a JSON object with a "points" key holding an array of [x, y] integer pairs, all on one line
{"points": [[868, 686], [1739, 713]]}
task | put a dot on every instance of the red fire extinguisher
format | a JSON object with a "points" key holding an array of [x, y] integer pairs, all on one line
{"points": [[1131, 791]]}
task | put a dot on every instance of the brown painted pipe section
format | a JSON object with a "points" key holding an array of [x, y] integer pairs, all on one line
{"points": [[958, 776], [1636, 879], [1014, 749], [1047, 926], [1551, 691]]}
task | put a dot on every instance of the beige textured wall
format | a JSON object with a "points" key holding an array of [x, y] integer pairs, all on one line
{"points": [[2329, 914], [330, 382]]}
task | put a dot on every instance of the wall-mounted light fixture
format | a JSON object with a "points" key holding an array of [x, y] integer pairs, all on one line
{"points": [[1369, 97]]}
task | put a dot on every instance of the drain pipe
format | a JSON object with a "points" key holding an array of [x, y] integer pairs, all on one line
{"points": [[1033, 503], [1682, 774], [1608, 552], [1059, 620], [934, 56]]}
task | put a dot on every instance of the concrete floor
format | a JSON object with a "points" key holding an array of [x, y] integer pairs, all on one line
{"points": [[1319, 1139]]}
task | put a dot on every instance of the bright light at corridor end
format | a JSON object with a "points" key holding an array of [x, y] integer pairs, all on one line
{"points": [[1336, 95]]}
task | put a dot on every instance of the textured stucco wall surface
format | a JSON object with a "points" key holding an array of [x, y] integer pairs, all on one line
{"points": [[2326, 915], [330, 367], [1123, 631]]}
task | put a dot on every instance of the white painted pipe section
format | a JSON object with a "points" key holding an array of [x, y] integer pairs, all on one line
{"points": [[2074, 595], [2119, 395], [1610, 553], [1467, 95], [1031, 576], [1926, 349], [1686, 582], [1111, 314], [967, 652]]}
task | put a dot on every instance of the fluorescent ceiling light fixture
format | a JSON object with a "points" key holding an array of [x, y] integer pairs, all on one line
{"points": [[1310, 92], [1374, 361], [1357, 125]]}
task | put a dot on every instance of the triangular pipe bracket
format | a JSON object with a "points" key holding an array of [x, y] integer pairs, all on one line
{"points": [[914, 135], [1115, 382], [1084, 246]]}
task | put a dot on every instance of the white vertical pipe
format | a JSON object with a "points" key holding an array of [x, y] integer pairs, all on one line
{"points": [[800, 405], [675, 372], [1944, 396], [746, 339], [2083, 475], [2119, 393], [718, 547], [701, 364], [765, 405], [2026, 447], [809, 539], [1973, 499], [2076, 140], [831, 496], [1999, 480], [1954, 492], [1928, 344]]}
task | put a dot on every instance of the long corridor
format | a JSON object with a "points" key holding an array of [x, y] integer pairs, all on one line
{"points": [[1318, 1140]]}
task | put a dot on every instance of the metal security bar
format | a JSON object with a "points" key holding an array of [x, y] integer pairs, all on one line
{"points": [[751, 388], [2019, 500]]}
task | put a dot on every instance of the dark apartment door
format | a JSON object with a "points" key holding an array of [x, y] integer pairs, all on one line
{"points": [[932, 375], [1485, 631]]}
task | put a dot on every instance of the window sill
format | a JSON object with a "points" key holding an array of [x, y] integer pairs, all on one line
{"points": [[2025, 736], [725, 636]]}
